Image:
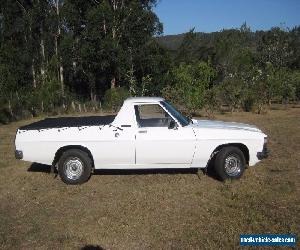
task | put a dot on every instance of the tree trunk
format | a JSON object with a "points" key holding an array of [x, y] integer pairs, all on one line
{"points": [[114, 5], [74, 63], [114, 36], [269, 102], [92, 94], [104, 25], [10, 108], [33, 73], [32, 60], [61, 70], [113, 82], [73, 106], [42, 45], [61, 75]]}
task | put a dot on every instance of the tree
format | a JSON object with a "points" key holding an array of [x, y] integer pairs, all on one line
{"points": [[113, 36], [231, 93], [186, 50], [274, 47], [192, 82]]}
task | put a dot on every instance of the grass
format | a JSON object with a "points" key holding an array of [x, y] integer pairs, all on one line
{"points": [[153, 209]]}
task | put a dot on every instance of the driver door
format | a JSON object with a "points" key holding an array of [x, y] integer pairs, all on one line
{"points": [[158, 144]]}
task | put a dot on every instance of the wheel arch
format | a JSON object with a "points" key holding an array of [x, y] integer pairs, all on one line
{"points": [[63, 149], [240, 146]]}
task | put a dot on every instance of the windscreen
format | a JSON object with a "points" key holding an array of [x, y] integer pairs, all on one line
{"points": [[176, 114]]}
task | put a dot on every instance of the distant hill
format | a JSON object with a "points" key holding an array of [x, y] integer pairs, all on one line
{"points": [[170, 42], [173, 42]]}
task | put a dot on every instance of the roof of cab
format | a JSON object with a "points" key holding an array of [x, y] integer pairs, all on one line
{"points": [[144, 99]]}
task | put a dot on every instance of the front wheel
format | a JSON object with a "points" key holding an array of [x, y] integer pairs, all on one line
{"points": [[230, 163], [74, 167]]}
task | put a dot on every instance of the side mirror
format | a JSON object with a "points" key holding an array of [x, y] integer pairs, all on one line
{"points": [[172, 125]]}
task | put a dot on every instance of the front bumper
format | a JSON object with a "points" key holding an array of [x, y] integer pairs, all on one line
{"points": [[264, 154], [19, 154]]}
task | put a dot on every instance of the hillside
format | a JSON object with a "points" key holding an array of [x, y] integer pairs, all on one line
{"points": [[173, 42]]}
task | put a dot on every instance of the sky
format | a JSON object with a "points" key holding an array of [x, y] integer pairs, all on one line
{"points": [[179, 16]]}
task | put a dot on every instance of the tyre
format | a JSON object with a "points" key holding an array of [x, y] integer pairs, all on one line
{"points": [[74, 167], [230, 163]]}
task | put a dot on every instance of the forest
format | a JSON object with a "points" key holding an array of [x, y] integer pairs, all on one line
{"points": [[60, 56]]}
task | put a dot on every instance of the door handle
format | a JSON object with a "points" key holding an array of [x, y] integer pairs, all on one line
{"points": [[143, 131]]}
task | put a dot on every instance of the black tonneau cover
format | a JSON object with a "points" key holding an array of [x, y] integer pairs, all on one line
{"points": [[69, 122]]}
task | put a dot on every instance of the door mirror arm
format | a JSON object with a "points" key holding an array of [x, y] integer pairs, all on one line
{"points": [[172, 125]]}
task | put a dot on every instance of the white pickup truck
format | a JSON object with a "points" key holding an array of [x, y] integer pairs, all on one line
{"points": [[146, 133]]}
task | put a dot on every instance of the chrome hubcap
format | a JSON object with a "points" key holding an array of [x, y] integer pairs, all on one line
{"points": [[233, 165], [73, 168]]}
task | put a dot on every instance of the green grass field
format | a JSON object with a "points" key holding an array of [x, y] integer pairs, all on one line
{"points": [[153, 209]]}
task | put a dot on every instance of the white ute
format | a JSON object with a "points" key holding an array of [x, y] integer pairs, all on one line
{"points": [[147, 133]]}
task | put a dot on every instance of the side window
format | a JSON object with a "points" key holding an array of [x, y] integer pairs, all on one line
{"points": [[152, 115]]}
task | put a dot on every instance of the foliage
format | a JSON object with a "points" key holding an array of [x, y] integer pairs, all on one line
{"points": [[51, 51], [231, 93], [133, 91], [115, 97], [295, 81], [55, 53], [211, 101], [192, 81], [134, 88]]}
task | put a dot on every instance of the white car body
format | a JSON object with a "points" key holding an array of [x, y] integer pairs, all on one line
{"points": [[123, 144]]}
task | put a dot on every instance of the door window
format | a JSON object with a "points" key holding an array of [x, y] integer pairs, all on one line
{"points": [[152, 115]]}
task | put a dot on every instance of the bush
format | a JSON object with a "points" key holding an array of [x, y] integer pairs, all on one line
{"points": [[190, 83], [114, 98], [5, 116], [231, 93], [248, 104], [211, 101]]}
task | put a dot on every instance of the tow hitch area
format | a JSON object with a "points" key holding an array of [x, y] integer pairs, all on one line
{"points": [[264, 154], [19, 154]]}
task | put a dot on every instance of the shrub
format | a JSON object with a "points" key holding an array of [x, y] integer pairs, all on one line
{"points": [[190, 83], [114, 98], [231, 93], [211, 101]]}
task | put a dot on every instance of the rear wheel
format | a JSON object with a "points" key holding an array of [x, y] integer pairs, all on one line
{"points": [[230, 163], [74, 167]]}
